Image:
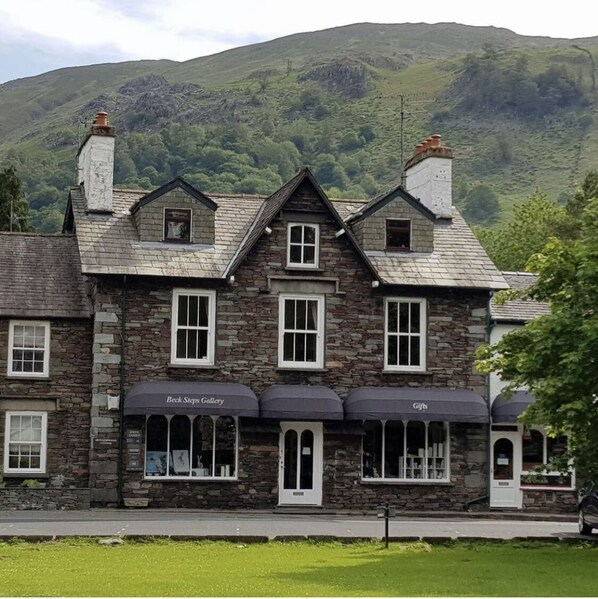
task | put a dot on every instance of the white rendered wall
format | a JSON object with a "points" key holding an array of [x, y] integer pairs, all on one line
{"points": [[431, 181], [96, 172], [495, 383]]}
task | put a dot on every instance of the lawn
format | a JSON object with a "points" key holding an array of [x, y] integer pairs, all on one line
{"points": [[162, 568]]}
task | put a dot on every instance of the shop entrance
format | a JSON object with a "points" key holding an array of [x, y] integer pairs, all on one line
{"points": [[300, 475], [505, 472]]}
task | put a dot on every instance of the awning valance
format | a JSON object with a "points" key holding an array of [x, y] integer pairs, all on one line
{"points": [[301, 402], [507, 410], [406, 403], [173, 397]]}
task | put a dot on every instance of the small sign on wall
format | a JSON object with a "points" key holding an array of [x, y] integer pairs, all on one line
{"points": [[134, 445]]}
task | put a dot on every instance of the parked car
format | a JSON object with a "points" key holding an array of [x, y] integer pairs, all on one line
{"points": [[587, 508]]}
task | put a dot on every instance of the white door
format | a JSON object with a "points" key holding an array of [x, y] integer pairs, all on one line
{"points": [[300, 476], [505, 472]]}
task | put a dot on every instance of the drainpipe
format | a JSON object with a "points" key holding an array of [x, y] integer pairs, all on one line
{"points": [[489, 460], [121, 403]]}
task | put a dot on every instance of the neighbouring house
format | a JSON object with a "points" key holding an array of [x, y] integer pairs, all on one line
{"points": [[255, 352], [45, 373], [520, 474]]}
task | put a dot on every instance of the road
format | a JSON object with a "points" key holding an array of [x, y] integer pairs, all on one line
{"points": [[185, 523]]}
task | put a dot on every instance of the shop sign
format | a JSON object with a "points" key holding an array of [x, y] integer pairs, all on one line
{"points": [[420, 406], [193, 401], [134, 456], [104, 443]]}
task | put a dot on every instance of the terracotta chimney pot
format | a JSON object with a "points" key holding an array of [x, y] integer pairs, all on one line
{"points": [[101, 119], [436, 141]]}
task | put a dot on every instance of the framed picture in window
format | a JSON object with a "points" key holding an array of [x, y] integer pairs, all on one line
{"points": [[177, 225]]}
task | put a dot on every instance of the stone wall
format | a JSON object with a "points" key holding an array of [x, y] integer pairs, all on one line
{"points": [[247, 353], [22, 498], [547, 501], [65, 397]]}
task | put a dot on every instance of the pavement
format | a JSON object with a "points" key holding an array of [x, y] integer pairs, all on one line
{"points": [[251, 526]]}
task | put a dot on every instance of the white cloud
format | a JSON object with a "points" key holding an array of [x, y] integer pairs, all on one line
{"points": [[185, 29]]}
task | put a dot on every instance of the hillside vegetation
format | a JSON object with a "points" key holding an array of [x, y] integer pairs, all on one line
{"points": [[350, 102]]}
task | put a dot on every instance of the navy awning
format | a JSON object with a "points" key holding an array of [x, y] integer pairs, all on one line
{"points": [[301, 402], [507, 410], [174, 397], [406, 403]]}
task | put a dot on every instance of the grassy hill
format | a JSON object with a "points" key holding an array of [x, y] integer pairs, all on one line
{"points": [[244, 120]]}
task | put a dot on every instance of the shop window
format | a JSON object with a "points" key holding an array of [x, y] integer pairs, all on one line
{"points": [[303, 245], [537, 451], [25, 442], [28, 348], [193, 326], [191, 447], [398, 235], [396, 450], [177, 225], [301, 332], [405, 334]]}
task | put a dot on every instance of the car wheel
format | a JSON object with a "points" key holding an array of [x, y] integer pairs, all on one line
{"points": [[584, 529]]}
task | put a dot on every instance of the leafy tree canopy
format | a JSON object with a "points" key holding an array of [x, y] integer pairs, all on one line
{"points": [[533, 223], [14, 210], [556, 356]]}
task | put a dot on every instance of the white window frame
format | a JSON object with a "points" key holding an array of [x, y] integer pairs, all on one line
{"points": [[213, 463], [424, 459], [423, 334], [211, 341], [302, 244], [46, 366], [43, 443], [321, 304], [523, 472]]}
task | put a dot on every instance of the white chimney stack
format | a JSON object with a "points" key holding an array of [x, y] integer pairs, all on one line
{"points": [[428, 176], [95, 165]]}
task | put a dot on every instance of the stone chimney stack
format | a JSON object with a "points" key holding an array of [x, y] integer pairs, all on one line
{"points": [[95, 165], [428, 176]]}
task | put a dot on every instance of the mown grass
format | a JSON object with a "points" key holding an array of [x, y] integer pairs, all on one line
{"points": [[82, 567]]}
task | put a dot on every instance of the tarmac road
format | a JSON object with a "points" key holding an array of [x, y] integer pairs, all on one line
{"points": [[198, 524]]}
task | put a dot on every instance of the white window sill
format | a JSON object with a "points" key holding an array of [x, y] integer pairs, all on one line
{"points": [[29, 377], [525, 487], [196, 366], [195, 479], [405, 371], [303, 267], [407, 481], [302, 367]]}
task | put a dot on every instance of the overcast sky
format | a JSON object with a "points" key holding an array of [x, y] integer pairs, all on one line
{"points": [[37, 36]]}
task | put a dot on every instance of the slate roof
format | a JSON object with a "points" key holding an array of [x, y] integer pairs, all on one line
{"points": [[40, 277], [518, 310], [110, 244]]}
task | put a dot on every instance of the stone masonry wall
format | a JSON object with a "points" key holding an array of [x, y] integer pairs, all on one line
{"points": [[371, 232], [549, 501], [64, 395], [247, 353], [149, 219]]}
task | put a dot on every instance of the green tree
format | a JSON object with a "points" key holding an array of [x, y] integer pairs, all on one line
{"points": [[481, 205], [556, 355], [533, 223], [14, 211]]}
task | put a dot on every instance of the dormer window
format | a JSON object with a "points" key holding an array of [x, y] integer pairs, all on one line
{"points": [[177, 225], [303, 245], [398, 235]]}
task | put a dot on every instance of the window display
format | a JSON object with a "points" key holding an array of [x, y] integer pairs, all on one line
{"points": [[191, 446], [405, 450]]}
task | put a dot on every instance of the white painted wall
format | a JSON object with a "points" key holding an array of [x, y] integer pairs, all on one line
{"points": [[495, 383], [431, 181], [96, 171]]}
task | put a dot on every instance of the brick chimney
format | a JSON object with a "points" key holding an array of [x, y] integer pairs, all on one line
{"points": [[428, 176], [95, 165]]}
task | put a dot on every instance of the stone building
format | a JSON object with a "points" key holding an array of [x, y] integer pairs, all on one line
{"points": [[257, 352]]}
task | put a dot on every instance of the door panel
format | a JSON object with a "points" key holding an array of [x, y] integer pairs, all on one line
{"points": [[300, 477], [505, 472]]}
